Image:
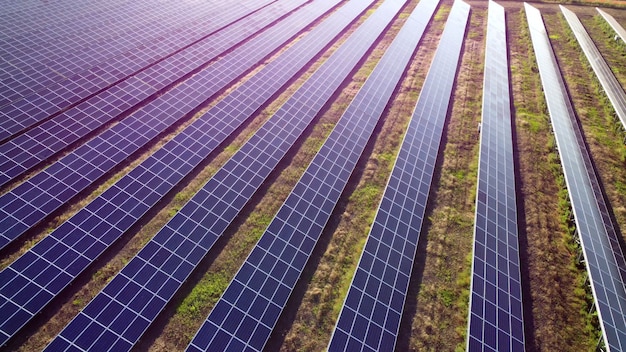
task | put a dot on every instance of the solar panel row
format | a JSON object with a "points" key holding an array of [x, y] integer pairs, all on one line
{"points": [[619, 30], [24, 52], [75, 33], [610, 84], [38, 61], [166, 261], [23, 17], [19, 7], [601, 201], [249, 309], [21, 154], [604, 261], [33, 200], [173, 49], [495, 317], [370, 317], [53, 12], [34, 279]]}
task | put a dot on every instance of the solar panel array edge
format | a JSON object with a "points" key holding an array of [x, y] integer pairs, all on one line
{"points": [[609, 82], [594, 180], [619, 30], [610, 300]]}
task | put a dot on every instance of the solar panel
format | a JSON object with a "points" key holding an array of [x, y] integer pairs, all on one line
{"points": [[52, 54], [33, 200], [61, 95], [76, 243], [58, 20], [19, 20], [619, 30], [183, 242], [495, 316], [252, 303], [610, 84], [36, 58], [370, 317], [47, 10], [603, 256], [79, 27], [23, 153], [601, 201]]}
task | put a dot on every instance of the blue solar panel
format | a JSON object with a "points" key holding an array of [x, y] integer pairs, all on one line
{"points": [[603, 256], [40, 58], [68, 15], [19, 8], [20, 155], [370, 317], [619, 30], [190, 234], [495, 316], [77, 242], [59, 96], [610, 84], [251, 305], [33, 200], [51, 55]]}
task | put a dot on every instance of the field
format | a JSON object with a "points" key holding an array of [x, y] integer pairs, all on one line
{"points": [[556, 297]]}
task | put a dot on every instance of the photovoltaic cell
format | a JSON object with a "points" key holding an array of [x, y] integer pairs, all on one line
{"points": [[49, 24], [64, 94], [610, 84], [495, 311], [251, 305], [43, 57], [20, 21], [47, 56], [49, 10], [33, 200], [370, 317], [621, 32], [21, 154], [77, 242], [178, 247], [77, 33], [192, 232], [603, 256]]}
